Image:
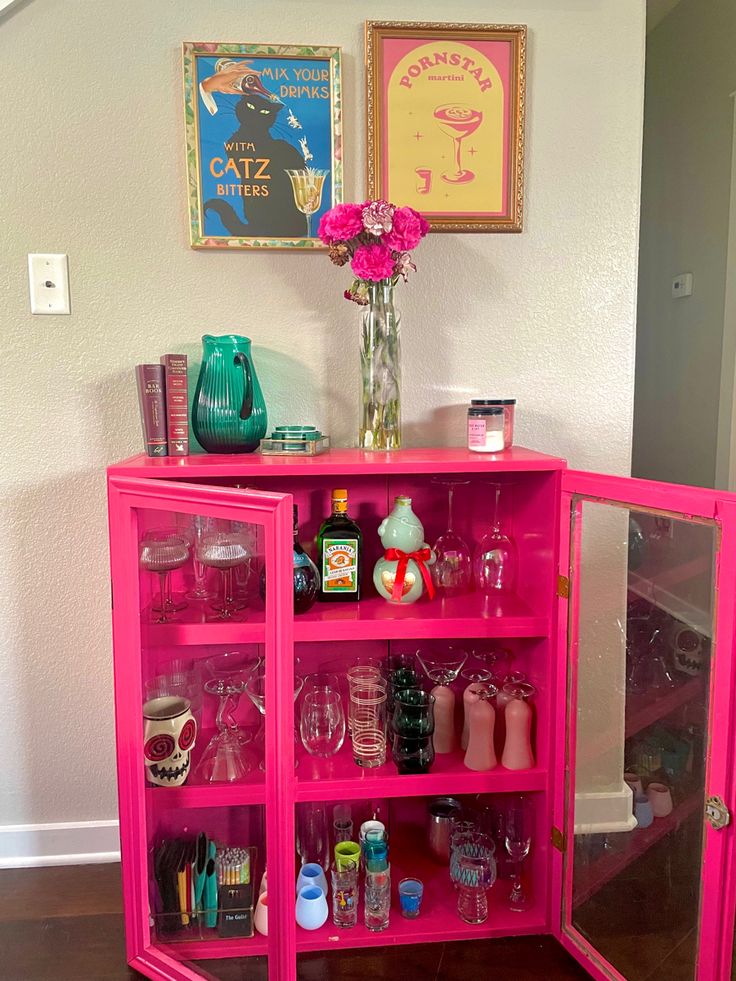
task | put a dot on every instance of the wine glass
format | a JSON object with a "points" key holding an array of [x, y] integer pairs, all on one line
{"points": [[225, 550], [255, 689], [496, 557], [223, 760], [518, 840], [306, 186], [443, 669], [453, 566], [200, 526], [458, 121], [160, 552], [497, 659]]}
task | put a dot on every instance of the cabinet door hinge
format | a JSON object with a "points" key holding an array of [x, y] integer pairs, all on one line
{"points": [[563, 587], [558, 840]]}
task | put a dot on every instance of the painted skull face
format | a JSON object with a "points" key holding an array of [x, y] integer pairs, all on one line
{"points": [[688, 651], [168, 738]]}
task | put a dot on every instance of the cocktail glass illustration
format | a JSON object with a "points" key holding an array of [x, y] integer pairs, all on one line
{"points": [[307, 187], [424, 180], [458, 121]]}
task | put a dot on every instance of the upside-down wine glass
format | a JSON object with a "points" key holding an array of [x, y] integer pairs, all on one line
{"points": [[225, 550], [496, 557], [200, 527], [255, 689], [443, 668], [160, 552], [519, 821], [452, 569], [223, 760]]}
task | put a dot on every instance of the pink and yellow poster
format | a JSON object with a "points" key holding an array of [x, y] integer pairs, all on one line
{"points": [[445, 122]]}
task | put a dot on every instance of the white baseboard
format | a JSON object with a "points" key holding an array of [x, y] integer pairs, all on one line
{"points": [[73, 843], [604, 813]]}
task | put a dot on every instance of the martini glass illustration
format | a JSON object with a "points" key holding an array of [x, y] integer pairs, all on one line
{"points": [[307, 188], [458, 121]]}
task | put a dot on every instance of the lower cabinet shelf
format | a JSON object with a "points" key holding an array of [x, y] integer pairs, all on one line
{"points": [[201, 950]]}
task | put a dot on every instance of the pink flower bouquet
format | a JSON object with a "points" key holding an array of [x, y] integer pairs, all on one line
{"points": [[376, 238]]}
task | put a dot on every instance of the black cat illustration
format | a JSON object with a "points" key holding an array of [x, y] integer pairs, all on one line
{"points": [[262, 161]]}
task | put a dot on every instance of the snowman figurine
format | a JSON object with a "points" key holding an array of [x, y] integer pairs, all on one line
{"points": [[402, 575]]}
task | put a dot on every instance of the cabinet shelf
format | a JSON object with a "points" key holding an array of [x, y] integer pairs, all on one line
{"points": [[198, 632], [374, 618], [643, 710], [195, 950], [338, 778]]}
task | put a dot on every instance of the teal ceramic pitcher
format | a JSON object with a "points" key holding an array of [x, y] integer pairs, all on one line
{"points": [[228, 413]]}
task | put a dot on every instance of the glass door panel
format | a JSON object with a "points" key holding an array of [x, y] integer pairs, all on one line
{"points": [[197, 652], [642, 629]]}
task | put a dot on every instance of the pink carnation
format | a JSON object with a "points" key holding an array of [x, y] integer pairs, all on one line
{"points": [[341, 223], [409, 228], [373, 262]]}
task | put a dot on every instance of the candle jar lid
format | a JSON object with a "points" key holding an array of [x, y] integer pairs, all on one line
{"points": [[485, 410]]}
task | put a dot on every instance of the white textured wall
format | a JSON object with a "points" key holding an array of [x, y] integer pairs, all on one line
{"points": [[91, 163]]}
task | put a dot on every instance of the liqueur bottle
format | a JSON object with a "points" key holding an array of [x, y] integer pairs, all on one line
{"points": [[306, 576], [340, 545]]}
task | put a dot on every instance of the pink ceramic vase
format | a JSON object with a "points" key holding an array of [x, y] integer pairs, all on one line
{"points": [[480, 754], [444, 739], [517, 750]]}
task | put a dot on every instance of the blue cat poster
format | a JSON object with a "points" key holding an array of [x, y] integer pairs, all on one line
{"points": [[264, 143]]}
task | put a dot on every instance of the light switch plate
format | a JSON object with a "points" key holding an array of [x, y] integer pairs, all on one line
{"points": [[48, 275], [682, 285]]}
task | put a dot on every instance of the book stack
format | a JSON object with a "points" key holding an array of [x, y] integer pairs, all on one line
{"points": [[164, 405]]}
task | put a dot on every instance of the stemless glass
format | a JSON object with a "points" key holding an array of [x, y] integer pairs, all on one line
{"points": [[322, 723], [160, 552], [519, 827], [452, 569], [496, 559], [368, 709], [358, 675]]}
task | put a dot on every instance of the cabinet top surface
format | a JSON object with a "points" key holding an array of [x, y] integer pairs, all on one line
{"points": [[338, 461]]}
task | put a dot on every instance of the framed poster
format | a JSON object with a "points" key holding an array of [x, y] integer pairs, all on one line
{"points": [[264, 143], [446, 122]]}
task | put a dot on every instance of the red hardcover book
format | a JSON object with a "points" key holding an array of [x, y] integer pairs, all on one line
{"points": [[177, 403], [152, 402]]}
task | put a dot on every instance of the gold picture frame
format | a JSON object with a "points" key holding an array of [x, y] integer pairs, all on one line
{"points": [[260, 178], [422, 75]]}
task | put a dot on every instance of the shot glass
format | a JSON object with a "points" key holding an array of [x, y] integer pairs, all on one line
{"points": [[410, 897]]}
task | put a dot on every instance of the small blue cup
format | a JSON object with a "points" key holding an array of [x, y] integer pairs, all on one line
{"points": [[410, 897], [643, 811]]}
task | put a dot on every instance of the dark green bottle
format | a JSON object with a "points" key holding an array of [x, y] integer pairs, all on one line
{"points": [[340, 549]]}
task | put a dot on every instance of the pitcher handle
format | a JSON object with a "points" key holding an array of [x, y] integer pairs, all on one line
{"points": [[246, 409]]}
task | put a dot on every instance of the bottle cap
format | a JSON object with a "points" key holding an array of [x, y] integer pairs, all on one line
{"points": [[339, 495]]}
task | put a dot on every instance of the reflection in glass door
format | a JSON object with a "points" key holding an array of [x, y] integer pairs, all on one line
{"points": [[644, 613]]}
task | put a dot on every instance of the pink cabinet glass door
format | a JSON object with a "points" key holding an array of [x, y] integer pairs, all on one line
{"points": [[203, 708], [650, 627]]}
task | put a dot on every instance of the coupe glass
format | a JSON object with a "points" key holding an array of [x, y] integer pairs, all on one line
{"points": [[442, 667], [452, 569], [306, 186], [496, 558], [322, 723], [225, 551], [160, 552], [223, 760], [255, 689], [519, 824], [458, 121]]}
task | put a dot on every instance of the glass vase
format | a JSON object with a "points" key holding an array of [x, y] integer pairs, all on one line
{"points": [[380, 371]]}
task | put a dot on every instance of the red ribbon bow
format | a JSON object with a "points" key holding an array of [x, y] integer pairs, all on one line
{"points": [[421, 558]]}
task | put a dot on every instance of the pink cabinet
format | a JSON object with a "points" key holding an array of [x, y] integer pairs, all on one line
{"points": [[621, 616]]}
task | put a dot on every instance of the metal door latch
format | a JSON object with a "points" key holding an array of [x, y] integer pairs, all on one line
{"points": [[717, 814]]}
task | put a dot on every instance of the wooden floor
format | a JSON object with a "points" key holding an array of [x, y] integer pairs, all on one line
{"points": [[65, 924]]}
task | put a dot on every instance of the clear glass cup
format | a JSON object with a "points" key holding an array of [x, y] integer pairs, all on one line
{"points": [[368, 712], [472, 893], [199, 528], [377, 900], [496, 559], [367, 672], [345, 896], [322, 722], [313, 834]]}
